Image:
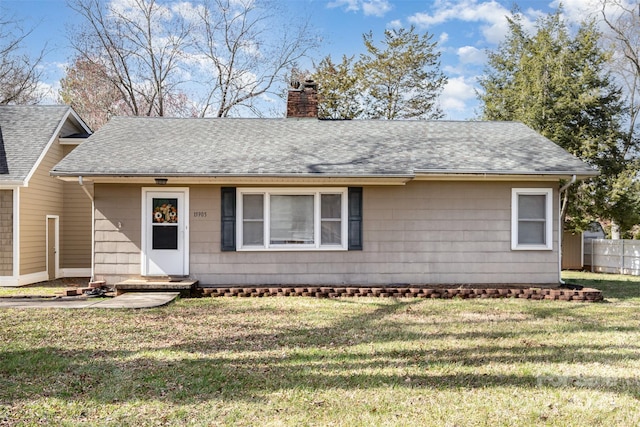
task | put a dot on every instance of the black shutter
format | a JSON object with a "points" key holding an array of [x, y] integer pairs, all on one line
{"points": [[355, 218], [228, 219]]}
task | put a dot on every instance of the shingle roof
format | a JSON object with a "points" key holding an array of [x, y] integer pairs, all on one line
{"points": [[303, 147], [25, 132]]}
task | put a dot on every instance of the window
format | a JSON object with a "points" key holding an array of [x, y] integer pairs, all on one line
{"points": [[164, 223], [531, 216], [292, 219]]}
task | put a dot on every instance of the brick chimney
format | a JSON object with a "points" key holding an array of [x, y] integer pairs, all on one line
{"points": [[302, 101]]}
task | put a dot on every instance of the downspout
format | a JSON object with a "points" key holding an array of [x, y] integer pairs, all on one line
{"points": [[93, 222], [560, 225]]}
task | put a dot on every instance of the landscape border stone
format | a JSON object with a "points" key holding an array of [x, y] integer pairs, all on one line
{"points": [[412, 291]]}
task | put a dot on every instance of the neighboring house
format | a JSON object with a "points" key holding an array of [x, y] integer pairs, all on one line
{"points": [[307, 201], [45, 224], [594, 231]]}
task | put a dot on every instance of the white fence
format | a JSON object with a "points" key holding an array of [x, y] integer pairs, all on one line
{"points": [[613, 256]]}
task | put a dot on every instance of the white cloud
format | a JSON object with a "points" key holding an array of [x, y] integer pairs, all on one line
{"points": [[443, 38], [369, 7], [189, 11], [471, 55], [131, 10], [348, 5], [576, 11], [465, 10], [396, 23], [60, 67], [491, 16], [48, 92], [376, 7], [456, 95]]}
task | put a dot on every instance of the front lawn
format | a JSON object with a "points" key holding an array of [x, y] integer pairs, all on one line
{"points": [[45, 289], [615, 287], [304, 361]]}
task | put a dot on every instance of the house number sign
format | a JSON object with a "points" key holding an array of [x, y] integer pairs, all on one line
{"points": [[200, 214]]}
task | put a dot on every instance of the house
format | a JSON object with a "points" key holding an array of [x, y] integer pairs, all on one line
{"points": [[45, 223], [305, 201]]}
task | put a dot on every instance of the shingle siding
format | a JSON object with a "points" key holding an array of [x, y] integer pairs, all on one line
{"points": [[424, 232], [117, 249], [6, 232]]}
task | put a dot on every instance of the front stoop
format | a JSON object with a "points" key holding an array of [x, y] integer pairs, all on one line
{"points": [[584, 295], [185, 286]]}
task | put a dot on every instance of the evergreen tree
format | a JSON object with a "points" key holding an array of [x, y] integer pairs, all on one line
{"points": [[340, 92], [401, 79], [556, 83]]}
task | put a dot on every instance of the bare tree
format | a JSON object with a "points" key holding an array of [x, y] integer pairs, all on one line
{"points": [[138, 44], [19, 73], [623, 20], [246, 52], [93, 96]]}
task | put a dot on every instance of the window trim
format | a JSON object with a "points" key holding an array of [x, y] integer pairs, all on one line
{"points": [[548, 193], [314, 191]]}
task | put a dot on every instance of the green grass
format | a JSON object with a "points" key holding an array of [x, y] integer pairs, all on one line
{"points": [[348, 362], [45, 289], [31, 291], [615, 287]]}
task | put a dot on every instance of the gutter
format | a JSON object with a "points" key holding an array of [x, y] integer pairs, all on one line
{"points": [[226, 175], [560, 225], [93, 231], [568, 184], [8, 185], [81, 182], [505, 172], [411, 175]]}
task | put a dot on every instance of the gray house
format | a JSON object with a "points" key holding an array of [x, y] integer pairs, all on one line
{"points": [[307, 201]]}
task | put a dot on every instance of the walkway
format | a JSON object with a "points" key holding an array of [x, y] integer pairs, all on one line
{"points": [[128, 300]]}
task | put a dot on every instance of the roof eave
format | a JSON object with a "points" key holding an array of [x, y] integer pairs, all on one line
{"points": [[10, 184], [53, 138], [226, 179], [441, 174]]}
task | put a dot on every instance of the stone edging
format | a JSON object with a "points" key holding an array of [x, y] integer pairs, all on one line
{"points": [[582, 295]]}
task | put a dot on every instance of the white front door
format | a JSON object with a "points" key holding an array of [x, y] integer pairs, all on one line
{"points": [[165, 232]]}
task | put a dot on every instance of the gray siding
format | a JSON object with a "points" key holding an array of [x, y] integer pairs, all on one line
{"points": [[118, 227], [6, 232], [424, 232]]}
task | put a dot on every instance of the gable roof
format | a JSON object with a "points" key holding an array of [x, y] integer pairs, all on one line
{"points": [[134, 146], [26, 132]]}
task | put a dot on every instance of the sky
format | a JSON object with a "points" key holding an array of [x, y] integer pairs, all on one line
{"points": [[464, 30]]}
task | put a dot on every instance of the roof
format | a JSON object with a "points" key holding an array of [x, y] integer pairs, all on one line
{"points": [[25, 132], [134, 146]]}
